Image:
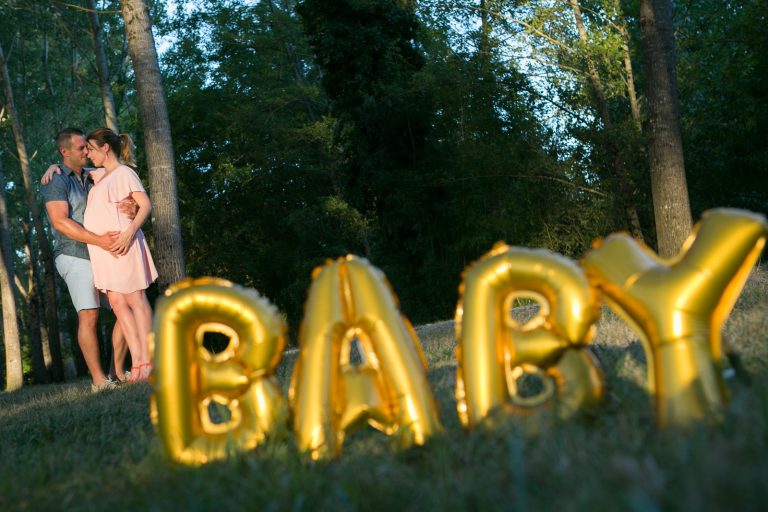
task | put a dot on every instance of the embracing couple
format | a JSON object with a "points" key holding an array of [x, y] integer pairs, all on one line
{"points": [[96, 215]]}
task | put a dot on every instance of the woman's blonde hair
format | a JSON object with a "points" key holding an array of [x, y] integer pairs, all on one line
{"points": [[121, 144]]}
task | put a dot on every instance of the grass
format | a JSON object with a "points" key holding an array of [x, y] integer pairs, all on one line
{"points": [[63, 448]]}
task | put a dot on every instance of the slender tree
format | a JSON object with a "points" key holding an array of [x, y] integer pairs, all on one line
{"points": [[102, 67], [38, 332], [577, 49], [621, 176], [634, 102], [671, 207], [11, 342], [157, 141], [46, 255], [49, 77]]}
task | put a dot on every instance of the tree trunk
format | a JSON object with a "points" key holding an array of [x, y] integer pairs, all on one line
{"points": [[485, 34], [14, 371], [74, 63], [157, 140], [49, 305], [671, 208], [49, 81], [621, 177], [110, 112], [39, 343], [634, 103]]}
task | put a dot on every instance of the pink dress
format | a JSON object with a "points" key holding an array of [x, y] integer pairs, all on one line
{"points": [[135, 270]]}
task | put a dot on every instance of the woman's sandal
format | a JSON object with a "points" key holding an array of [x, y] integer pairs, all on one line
{"points": [[135, 374], [146, 369]]}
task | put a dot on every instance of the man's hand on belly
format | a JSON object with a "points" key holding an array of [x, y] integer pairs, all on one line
{"points": [[107, 240]]}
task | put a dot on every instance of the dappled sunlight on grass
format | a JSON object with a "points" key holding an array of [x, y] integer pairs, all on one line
{"points": [[32, 399]]}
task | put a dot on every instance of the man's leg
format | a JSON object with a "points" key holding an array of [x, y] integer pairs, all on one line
{"points": [[89, 343], [78, 275]]}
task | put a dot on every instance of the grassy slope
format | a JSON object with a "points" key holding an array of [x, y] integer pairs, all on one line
{"points": [[63, 448]]}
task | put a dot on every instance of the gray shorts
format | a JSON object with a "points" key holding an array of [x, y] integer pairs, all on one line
{"points": [[78, 275]]}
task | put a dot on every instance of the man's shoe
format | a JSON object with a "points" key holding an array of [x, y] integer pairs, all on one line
{"points": [[104, 386]]}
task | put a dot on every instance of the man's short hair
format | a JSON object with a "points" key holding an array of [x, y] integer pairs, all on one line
{"points": [[64, 137]]}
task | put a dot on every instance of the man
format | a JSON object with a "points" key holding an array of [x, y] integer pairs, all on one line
{"points": [[65, 197]]}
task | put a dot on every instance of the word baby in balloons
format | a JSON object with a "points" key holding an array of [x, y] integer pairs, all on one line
{"points": [[677, 306]]}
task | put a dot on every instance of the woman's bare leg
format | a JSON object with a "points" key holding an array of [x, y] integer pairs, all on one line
{"points": [[124, 314], [142, 313], [142, 316]]}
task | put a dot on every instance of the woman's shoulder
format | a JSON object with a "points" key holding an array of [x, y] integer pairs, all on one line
{"points": [[126, 177], [96, 174], [126, 170]]}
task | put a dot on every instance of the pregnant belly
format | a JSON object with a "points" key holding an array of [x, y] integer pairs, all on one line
{"points": [[102, 218]]}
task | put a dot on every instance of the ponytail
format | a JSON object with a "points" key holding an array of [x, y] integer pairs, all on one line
{"points": [[127, 150]]}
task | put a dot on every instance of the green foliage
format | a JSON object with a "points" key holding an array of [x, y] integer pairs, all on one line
{"points": [[367, 51], [429, 132], [722, 72], [255, 152], [372, 65]]}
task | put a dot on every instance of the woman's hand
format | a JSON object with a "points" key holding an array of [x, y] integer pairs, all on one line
{"points": [[48, 174], [123, 242], [125, 239], [107, 240]]}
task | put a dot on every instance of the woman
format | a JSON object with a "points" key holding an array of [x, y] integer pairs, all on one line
{"points": [[123, 278]]}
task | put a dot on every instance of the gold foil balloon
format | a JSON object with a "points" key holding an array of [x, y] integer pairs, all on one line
{"points": [[188, 379], [351, 300], [494, 350], [678, 306]]}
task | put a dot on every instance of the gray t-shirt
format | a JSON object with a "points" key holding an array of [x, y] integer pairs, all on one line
{"points": [[69, 187]]}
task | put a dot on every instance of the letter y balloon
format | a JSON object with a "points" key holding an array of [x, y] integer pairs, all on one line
{"points": [[678, 306]]}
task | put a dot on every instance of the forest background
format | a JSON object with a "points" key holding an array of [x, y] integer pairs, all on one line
{"points": [[415, 134]]}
